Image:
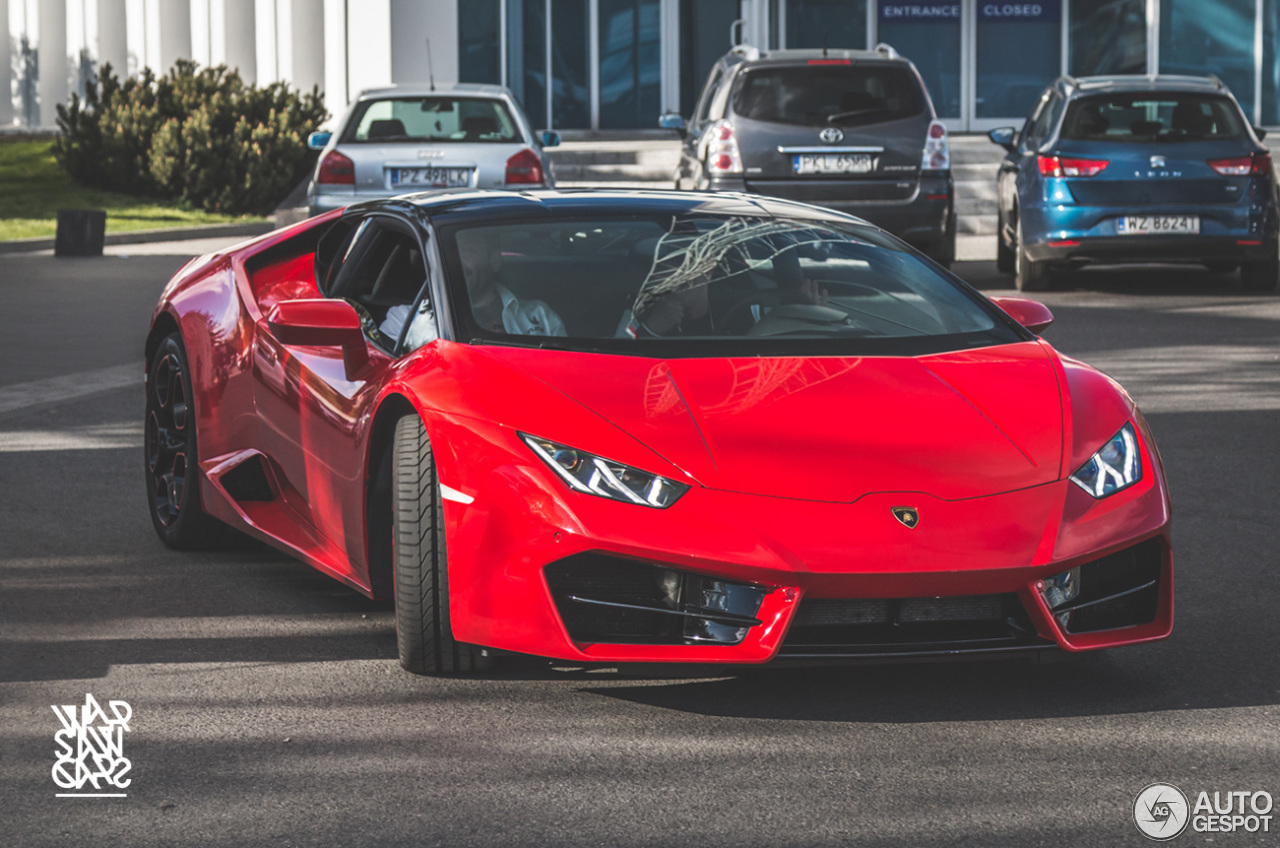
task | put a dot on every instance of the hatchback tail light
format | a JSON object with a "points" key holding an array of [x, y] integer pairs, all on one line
{"points": [[1243, 166], [937, 149], [336, 169], [1070, 166], [524, 168], [723, 155]]}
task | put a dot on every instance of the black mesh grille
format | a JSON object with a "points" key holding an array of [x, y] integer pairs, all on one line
{"points": [[608, 599], [825, 626], [1120, 590]]}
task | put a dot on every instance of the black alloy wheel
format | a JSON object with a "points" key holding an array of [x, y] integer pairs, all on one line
{"points": [[171, 469]]}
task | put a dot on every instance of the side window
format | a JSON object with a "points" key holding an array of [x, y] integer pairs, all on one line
{"points": [[332, 249], [708, 92], [1040, 121], [383, 279]]}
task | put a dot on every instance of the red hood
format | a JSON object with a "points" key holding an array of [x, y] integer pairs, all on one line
{"points": [[954, 425]]}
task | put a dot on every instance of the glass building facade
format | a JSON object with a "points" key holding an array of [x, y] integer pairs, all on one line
{"points": [[617, 64]]}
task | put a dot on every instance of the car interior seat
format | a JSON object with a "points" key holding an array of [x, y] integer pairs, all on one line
{"points": [[476, 127], [386, 128]]}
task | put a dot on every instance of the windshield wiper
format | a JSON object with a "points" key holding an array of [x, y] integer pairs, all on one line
{"points": [[854, 113]]}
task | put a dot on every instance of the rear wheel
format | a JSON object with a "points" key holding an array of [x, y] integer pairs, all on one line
{"points": [[1005, 260], [172, 468], [424, 636], [1259, 276], [943, 251], [1029, 275]]}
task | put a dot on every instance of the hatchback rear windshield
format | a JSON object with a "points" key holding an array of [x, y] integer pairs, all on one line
{"points": [[1150, 116], [817, 95], [434, 119]]}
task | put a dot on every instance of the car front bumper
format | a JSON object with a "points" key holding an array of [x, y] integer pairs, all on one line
{"points": [[511, 547]]}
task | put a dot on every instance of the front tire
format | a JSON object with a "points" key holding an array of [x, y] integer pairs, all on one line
{"points": [[424, 636], [1259, 276], [171, 460], [1030, 276]]}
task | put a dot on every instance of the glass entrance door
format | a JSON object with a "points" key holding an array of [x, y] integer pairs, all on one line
{"points": [[928, 35], [1018, 53], [630, 45]]}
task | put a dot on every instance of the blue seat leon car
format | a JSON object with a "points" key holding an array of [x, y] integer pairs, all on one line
{"points": [[1136, 169]]}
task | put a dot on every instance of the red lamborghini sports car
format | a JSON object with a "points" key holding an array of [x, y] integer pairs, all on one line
{"points": [[612, 427]]}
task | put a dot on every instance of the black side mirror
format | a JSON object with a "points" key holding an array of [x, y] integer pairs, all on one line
{"points": [[1004, 136], [1260, 133]]}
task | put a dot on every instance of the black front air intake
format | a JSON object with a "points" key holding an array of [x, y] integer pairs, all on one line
{"points": [[855, 627], [1119, 590], [608, 599]]}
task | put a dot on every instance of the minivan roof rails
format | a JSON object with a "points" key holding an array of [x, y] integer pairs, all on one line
{"points": [[747, 51], [886, 50]]}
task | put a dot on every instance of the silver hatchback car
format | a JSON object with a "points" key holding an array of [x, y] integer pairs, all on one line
{"points": [[413, 138]]}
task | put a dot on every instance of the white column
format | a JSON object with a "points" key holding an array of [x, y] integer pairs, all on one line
{"points": [[135, 23], [412, 23], [306, 44], [54, 66], [113, 36], [238, 46], [335, 58], [6, 67], [202, 32], [368, 45], [266, 20], [175, 32]]}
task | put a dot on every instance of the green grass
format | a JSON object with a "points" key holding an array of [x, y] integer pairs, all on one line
{"points": [[33, 187]]}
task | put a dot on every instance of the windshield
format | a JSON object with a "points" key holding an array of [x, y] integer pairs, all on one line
{"points": [[438, 118], [708, 285], [1147, 116], [816, 95]]}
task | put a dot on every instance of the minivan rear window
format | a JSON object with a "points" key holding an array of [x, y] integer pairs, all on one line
{"points": [[1146, 116], [819, 95]]}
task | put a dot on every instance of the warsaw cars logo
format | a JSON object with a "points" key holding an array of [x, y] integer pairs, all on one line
{"points": [[90, 749]]}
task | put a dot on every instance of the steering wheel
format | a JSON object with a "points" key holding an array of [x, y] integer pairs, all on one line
{"points": [[735, 316]]}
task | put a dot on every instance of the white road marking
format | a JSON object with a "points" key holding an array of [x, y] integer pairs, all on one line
{"points": [[97, 437], [22, 395]]}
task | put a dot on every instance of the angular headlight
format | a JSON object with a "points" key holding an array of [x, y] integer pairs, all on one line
{"points": [[604, 477], [1117, 465]]}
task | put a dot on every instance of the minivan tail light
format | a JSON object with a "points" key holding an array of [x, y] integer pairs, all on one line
{"points": [[336, 169], [937, 149], [524, 168], [1243, 166], [1070, 166], [723, 155]]}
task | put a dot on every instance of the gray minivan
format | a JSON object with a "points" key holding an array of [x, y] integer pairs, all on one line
{"points": [[851, 130]]}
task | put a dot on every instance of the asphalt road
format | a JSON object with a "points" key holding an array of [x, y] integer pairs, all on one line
{"points": [[268, 707]]}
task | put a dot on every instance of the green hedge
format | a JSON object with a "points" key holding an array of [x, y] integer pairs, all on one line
{"points": [[198, 136]]}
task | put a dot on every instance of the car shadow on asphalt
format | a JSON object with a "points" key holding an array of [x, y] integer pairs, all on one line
{"points": [[1136, 280]]}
